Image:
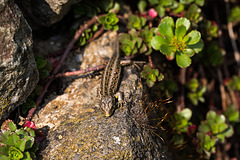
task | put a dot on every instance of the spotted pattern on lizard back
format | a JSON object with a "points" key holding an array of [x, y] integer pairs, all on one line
{"points": [[110, 80]]}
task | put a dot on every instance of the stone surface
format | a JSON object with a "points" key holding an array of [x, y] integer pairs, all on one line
{"points": [[76, 128], [18, 71], [45, 12]]}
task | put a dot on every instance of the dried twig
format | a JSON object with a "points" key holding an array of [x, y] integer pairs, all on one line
{"points": [[222, 90], [221, 43], [182, 78], [150, 61], [74, 73], [231, 35]]}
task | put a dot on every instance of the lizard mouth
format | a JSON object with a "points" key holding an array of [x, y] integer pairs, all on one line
{"points": [[107, 115]]}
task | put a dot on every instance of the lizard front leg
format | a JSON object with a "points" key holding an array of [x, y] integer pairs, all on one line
{"points": [[119, 96]]}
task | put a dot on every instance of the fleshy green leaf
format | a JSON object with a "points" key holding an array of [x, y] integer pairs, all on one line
{"points": [[199, 2], [3, 157], [157, 41], [26, 156], [161, 10], [180, 32], [147, 68], [41, 63], [183, 21], [12, 126], [168, 20], [155, 72], [21, 133], [150, 83], [194, 37], [20, 144], [4, 136], [12, 138], [165, 29], [4, 149], [220, 119], [204, 128], [160, 77], [152, 77], [29, 141], [211, 115], [154, 2], [186, 113], [189, 52], [30, 131], [197, 47], [14, 153], [142, 6], [166, 49], [229, 132], [183, 60]]}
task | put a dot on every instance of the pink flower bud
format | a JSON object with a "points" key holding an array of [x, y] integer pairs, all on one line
{"points": [[29, 124], [209, 133], [192, 129], [152, 13]]}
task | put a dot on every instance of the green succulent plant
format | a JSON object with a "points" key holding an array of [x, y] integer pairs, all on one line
{"points": [[209, 29], [136, 22], [88, 33], [137, 42], [180, 124], [180, 120], [17, 144], [131, 43], [197, 2], [174, 41], [152, 75], [213, 129], [44, 66], [195, 93], [109, 21], [194, 14], [234, 83], [234, 15], [206, 145], [142, 5], [146, 34], [232, 114]]}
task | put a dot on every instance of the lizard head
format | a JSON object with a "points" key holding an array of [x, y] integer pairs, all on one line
{"points": [[107, 105]]}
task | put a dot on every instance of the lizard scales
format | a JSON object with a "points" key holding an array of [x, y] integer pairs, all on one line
{"points": [[109, 81]]}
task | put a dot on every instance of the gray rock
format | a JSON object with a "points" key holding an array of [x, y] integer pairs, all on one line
{"points": [[18, 71], [77, 129], [45, 12]]}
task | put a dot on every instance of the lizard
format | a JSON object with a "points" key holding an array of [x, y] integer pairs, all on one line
{"points": [[109, 82]]}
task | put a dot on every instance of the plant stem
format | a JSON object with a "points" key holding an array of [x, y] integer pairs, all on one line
{"points": [[232, 96], [231, 35], [182, 78], [150, 61], [74, 73], [222, 90]]}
